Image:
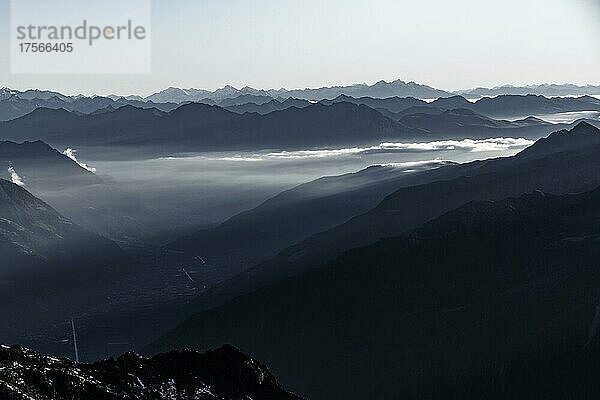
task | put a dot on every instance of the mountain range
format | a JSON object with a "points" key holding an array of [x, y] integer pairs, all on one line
{"points": [[40, 250], [76, 191], [54, 270], [260, 233], [202, 127], [381, 89], [196, 127], [504, 106], [428, 279], [493, 299], [548, 90], [14, 104], [565, 162]]}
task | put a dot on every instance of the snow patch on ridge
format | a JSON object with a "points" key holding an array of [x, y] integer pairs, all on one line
{"points": [[14, 177], [69, 152]]}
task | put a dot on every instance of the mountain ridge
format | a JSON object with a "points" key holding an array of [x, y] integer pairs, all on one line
{"points": [[491, 290], [199, 126], [574, 170], [224, 373]]}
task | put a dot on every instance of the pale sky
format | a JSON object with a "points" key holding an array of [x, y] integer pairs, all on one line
{"points": [[310, 43]]}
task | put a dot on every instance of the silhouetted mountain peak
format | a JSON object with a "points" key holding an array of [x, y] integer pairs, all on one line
{"points": [[104, 110], [451, 102], [343, 97], [584, 128], [33, 149], [42, 112], [130, 110], [225, 373], [197, 108], [578, 138]]}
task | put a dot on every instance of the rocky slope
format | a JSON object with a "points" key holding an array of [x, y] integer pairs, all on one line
{"points": [[50, 267], [225, 374]]}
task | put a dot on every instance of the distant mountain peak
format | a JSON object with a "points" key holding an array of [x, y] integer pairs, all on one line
{"points": [[197, 107], [548, 90], [380, 89], [344, 97]]}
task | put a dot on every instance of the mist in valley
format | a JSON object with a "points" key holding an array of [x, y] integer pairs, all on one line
{"points": [[190, 191]]}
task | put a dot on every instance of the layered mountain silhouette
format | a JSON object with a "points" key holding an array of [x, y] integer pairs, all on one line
{"points": [[42, 167], [245, 99], [260, 233], [200, 127], [463, 121], [266, 108], [50, 266], [429, 280], [197, 127], [495, 299], [75, 191], [391, 96], [225, 373], [548, 90], [570, 167], [380, 89], [14, 104], [457, 116], [505, 106], [391, 104]]}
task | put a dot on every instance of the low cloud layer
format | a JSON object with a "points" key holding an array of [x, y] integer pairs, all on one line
{"points": [[71, 154], [469, 145]]}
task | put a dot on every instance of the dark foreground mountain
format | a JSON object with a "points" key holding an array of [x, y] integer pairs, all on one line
{"points": [[42, 251], [225, 374], [260, 233], [565, 162], [494, 300]]}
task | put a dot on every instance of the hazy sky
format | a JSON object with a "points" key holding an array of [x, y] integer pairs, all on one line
{"points": [[309, 43]]}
